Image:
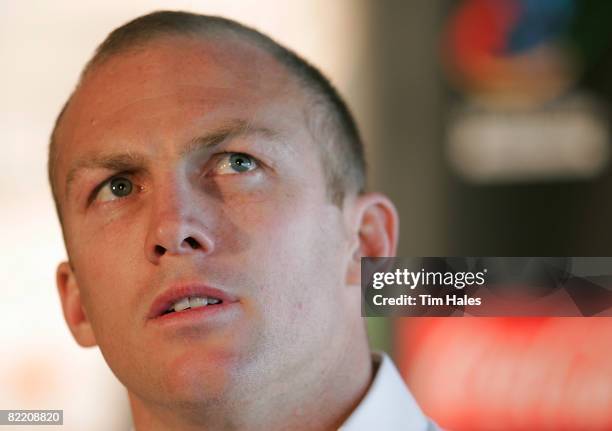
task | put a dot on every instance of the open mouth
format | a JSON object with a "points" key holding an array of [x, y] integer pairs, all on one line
{"points": [[190, 302], [190, 298]]}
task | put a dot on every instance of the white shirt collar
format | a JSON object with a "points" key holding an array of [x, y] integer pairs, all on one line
{"points": [[388, 405]]}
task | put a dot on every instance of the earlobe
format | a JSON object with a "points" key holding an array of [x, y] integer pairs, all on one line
{"points": [[74, 313], [376, 231]]}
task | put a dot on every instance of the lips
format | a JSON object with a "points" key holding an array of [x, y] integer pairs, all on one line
{"points": [[163, 303]]}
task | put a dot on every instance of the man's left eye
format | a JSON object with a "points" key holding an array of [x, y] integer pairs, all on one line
{"points": [[235, 163], [114, 188]]}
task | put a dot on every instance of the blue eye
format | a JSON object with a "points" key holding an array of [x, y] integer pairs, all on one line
{"points": [[241, 162], [233, 163], [115, 188]]}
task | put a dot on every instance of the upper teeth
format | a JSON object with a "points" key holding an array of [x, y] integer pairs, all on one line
{"points": [[193, 302]]}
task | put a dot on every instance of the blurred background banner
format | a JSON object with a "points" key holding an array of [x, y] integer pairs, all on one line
{"points": [[510, 373], [521, 113], [486, 121]]}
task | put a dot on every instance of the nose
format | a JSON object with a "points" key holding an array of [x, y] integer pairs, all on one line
{"points": [[177, 225]]}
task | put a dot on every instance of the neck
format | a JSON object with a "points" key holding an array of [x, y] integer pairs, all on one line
{"points": [[322, 399]]}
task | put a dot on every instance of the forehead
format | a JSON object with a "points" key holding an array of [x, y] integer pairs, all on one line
{"points": [[181, 64], [179, 85]]}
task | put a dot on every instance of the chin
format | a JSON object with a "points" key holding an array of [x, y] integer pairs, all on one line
{"points": [[201, 375]]}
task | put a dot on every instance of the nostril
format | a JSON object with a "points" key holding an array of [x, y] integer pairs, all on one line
{"points": [[187, 243], [192, 242]]}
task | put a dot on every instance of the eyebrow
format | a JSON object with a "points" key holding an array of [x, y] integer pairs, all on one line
{"points": [[130, 161], [223, 133]]}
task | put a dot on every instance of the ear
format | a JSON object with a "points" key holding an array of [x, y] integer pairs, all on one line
{"points": [[375, 229], [74, 313]]}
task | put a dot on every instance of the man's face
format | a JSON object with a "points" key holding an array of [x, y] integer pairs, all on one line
{"points": [[190, 165]]}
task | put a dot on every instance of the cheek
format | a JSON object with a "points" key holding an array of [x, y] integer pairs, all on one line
{"points": [[109, 255], [299, 283], [296, 253], [108, 236], [106, 261]]}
